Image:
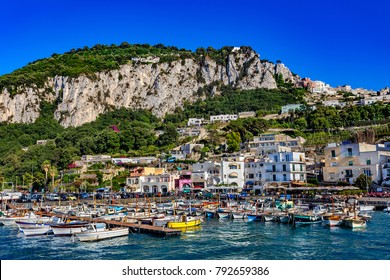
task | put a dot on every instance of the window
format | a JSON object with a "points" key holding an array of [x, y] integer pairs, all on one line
{"points": [[284, 177], [293, 166], [251, 176], [333, 164], [348, 173], [333, 152], [274, 177], [233, 166], [350, 163], [287, 157], [275, 158], [301, 167], [349, 152], [368, 162], [367, 172], [284, 168], [273, 168]]}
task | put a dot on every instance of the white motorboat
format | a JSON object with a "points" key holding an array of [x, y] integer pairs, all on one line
{"points": [[31, 228], [64, 229], [10, 218], [99, 231], [366, 208], [354, 222]]}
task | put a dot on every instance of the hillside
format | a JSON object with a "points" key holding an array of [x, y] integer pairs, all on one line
{"points": [[86, 82]]}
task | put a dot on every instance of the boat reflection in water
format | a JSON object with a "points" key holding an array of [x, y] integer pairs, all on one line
{"points": [[191, 229]]}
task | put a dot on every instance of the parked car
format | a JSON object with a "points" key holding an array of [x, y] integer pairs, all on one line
{"points": [[36, 198], [83, 195], [23, 198], [125, 195], [53, 197], [71, 197]]}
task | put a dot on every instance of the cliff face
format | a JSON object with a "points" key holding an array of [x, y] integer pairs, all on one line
{"points": [[159, 87]]}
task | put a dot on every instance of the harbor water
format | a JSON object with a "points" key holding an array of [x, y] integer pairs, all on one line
{"points": [[216, 240]]}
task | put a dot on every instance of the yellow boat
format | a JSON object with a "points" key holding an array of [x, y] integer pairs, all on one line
{"points": [[184, 222]]}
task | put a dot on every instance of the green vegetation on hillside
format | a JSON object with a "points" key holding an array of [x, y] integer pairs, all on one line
{"points": [[86, 61], [99, 58], [233, 101]]}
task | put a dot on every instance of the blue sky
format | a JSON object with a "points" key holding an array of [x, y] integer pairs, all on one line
{"points": [[339, 42]]}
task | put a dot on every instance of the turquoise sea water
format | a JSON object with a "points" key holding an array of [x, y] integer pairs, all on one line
{"points": [[216, 239]]}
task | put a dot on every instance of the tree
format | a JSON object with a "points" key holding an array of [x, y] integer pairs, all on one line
{"points": [[53, 171], [170, 136], [46, 166], [233, 141], [363, 182]]}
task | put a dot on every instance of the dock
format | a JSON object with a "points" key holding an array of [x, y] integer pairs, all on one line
{"points": [[134, 227]]}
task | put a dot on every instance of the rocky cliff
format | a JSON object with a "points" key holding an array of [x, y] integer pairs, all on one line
{"points": [[142, 83]]}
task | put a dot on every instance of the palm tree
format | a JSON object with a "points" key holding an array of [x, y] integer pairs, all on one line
{"points": [[53, 172], [46, 166]]}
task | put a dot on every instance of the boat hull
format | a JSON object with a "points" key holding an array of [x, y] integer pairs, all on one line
{"points": [[354, 223], [37, 230], [100, 235], [306, 219], [66, 230], [192, 223]]}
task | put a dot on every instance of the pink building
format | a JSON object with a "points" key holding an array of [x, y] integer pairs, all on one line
{"points": [[184, 183]]}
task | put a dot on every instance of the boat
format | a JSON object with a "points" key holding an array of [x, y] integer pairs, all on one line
{"points": [[332, 220], [366, 208], [185, 221], [238, 215], [254, 217], [305, 218], [364, 215], [64, 229], [9, 219], [99, 231], [210, 213], [283, 218], [31, 228], [269, 217], [354, 222], [224, 214]]}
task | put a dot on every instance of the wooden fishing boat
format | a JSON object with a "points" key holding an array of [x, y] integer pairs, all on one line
{"points": [[33, 228], [305, 218], [185, 221], [354, 222], [64, 229], [99, 231]]}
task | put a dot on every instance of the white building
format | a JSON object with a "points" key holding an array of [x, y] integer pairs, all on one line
{"points": [[195, 122], [135, 160], [212, 172], [275, 169], [285, 167], [347, 161], [232, 172], [270, 140], [157, 183], [334, 103], [223, 118]]}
